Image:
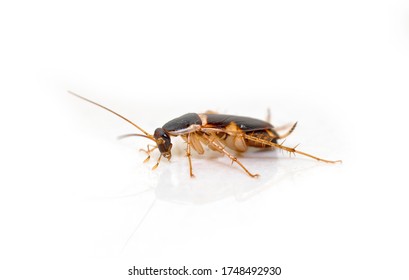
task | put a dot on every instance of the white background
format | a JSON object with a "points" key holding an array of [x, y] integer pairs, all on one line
{"points": [[76, 203]]}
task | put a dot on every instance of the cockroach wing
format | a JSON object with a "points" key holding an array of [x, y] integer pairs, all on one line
{"points": [[245, 124]]}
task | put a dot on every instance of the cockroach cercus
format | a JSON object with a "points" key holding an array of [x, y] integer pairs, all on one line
{"points": [[216, 131]]}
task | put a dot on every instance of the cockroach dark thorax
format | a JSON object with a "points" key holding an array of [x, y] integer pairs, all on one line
{"points": [[183, 122], [179, 126]]}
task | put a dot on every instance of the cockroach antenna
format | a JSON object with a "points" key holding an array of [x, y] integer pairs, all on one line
{"points": [[147, 135]]}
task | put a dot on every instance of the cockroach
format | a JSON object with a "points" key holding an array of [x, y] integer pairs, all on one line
{"points": [[216, 131]]}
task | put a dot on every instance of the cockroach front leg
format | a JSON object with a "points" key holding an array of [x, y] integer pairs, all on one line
{"points": [[157, 163], [188, 141], [148, 152]]}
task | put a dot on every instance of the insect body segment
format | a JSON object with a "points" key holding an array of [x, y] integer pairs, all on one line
{"points": [[216, 131], [163, 141], [242, 123], [231, 130], [183, 124]]}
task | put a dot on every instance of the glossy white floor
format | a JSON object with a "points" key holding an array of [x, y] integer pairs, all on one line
{"points": [[76, 202]]}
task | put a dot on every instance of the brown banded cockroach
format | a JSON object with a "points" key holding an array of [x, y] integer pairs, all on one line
{"points": [[216, 131]]}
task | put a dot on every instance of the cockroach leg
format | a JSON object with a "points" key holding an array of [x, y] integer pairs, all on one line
{"points": [[157, 163], [195, 142], [288, 149], [213, 143], [148, 152], [188, 142], [147, 159]]}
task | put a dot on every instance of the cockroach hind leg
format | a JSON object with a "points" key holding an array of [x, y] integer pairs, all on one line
{"points": [[293, 151], [289, 149]]}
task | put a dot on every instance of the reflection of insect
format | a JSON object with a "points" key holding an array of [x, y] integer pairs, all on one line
{"points": [[216, 131]]}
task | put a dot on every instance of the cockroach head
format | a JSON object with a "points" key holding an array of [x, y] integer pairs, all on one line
{"points": [[163, 141]]}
